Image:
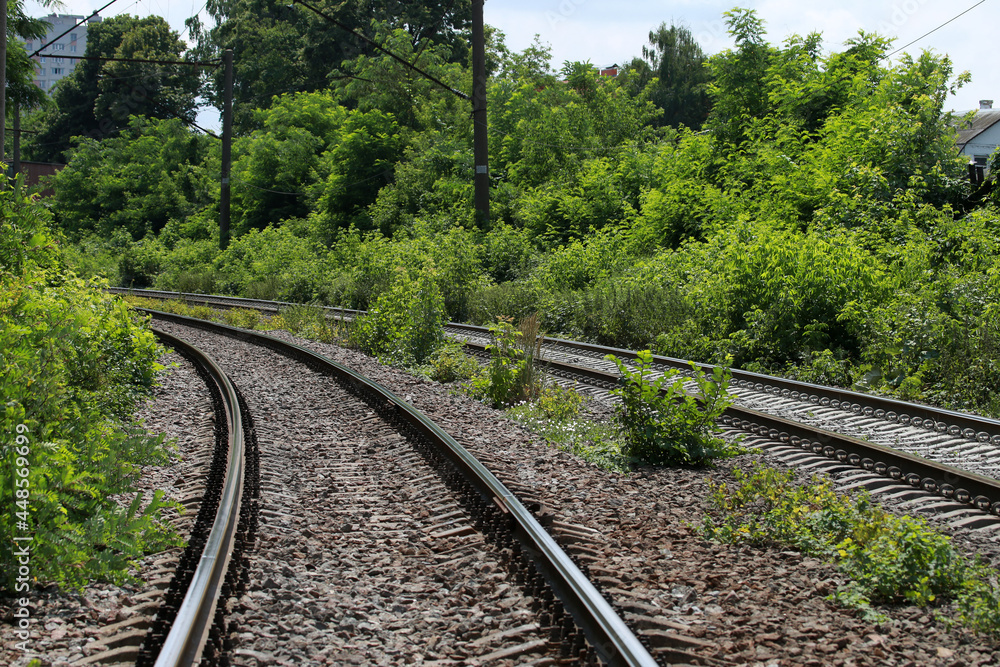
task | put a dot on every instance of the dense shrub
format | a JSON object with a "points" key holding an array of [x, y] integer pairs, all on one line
{"points": [[515, 372], [405, 325], [73, 363]]}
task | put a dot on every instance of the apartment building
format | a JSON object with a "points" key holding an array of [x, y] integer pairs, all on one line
{"points": [[57, 63]]}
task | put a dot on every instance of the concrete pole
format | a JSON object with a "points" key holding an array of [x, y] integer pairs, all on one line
{"points": [[480, 142], [227, 148]]}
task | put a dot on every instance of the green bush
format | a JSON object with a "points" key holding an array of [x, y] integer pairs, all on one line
{"points": [[515, 370], [406, 324], [450, 364], [513, 300], [890, 559], [662, 423], [309, 321], [73, 364], [244, 318]]}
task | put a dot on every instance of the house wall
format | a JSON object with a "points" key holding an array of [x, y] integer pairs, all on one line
{"points": [[34, 172], [983, 144]]}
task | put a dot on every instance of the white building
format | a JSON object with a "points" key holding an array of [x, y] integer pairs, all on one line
{"points": [[980, 137], [57, 63]]}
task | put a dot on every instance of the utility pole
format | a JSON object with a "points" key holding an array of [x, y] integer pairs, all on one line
{"points": [[17, 138], [480, 141], [227, 147]]}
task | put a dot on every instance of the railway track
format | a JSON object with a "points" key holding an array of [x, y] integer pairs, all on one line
{"points": [[949, 460], [881, 442], [332, 540]]}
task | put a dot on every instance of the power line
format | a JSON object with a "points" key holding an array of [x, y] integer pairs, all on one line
{"points": [[196, 63], [935, 29], [70, 29], [383, 49]]}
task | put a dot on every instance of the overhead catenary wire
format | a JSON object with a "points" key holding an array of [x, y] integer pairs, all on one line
{"points": [[70, 29], [935, 29], [381, 48]]}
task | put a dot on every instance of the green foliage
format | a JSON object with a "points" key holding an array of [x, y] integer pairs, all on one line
{"points": [[244, 318], [73, 365], [309, 321], [596, 442], [450, 364], [275, 262], [97, 98], [515, 371], [664, 424], [677, 62], [151, 173], [405, 325], [889, 559], [282, 47], [559, 403]]}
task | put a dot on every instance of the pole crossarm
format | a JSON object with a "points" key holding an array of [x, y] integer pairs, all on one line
{"points": [[196, 63]]}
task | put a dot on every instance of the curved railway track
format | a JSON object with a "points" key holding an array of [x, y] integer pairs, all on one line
{"points": [[951, 455], [578, 620]]}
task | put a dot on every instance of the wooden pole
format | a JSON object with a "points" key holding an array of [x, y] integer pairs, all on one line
{"points": [[3, 82]]}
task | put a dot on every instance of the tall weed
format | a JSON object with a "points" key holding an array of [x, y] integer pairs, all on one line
{"points": [[662, 422]]}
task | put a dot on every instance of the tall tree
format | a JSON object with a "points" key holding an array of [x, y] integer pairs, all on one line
{"points": [[98, 97], [19, 71], [282, 48], [739, 88], [676, 60]]}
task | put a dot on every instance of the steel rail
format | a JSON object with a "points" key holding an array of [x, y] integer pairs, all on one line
{"points": [[948, 481], [189, 632], [971, 427], [227, 301], [607, 633]]}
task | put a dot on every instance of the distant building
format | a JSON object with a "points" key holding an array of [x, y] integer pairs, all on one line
{"points": [[35, 172], [980, 137], [56, 64]]}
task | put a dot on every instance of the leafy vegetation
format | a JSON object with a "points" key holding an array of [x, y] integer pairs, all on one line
{"points": [[888, 558], [663, 423], [514, 373], [74, 362], [820, 224], [405, 325]]}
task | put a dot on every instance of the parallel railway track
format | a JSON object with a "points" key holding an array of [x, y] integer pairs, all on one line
{"points": [[822, 421]]}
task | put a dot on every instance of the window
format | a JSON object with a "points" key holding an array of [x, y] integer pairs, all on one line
{"points": [[57, 70], [58, 47], [981, 160], [72, 37], [72, 48], [44, 59], [27, 45]]}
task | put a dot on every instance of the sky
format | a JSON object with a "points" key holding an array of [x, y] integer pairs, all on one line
{"points": [[607, 33]]}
